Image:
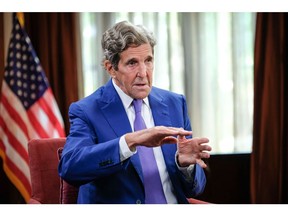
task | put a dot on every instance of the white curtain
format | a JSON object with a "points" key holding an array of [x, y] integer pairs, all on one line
{"points": [[208, 57], [219, 77]]}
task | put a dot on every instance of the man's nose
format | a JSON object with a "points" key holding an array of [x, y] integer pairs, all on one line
{"points": [[142, 72]]}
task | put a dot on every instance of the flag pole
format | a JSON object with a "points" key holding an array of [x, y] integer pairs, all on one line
{"points": [[20, 16]]}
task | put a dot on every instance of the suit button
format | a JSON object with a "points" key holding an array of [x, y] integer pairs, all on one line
{"points": [[138, 201]]}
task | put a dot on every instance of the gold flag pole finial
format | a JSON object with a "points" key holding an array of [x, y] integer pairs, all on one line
{"points": [[20, 16]]}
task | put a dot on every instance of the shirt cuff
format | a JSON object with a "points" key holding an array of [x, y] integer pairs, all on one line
{"points": [[125, 152], [187, 171]]}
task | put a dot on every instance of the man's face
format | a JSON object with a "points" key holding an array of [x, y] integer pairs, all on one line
{"points": [[135, 71]]}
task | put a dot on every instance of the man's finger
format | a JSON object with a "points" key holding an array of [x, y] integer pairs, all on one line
{"points": [[202, 140], [169, 140], [181, 138], [201, 163]]}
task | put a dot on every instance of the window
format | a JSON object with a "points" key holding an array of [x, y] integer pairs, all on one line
{"points": [[208, 57]]}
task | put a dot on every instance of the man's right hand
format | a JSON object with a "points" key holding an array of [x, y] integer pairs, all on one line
{"points": [[155, 136]]}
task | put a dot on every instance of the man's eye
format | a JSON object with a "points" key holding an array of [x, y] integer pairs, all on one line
{"points": [[149, 59], [132, 63]]}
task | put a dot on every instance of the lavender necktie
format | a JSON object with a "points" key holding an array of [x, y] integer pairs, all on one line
{"points": [[152, 183]]}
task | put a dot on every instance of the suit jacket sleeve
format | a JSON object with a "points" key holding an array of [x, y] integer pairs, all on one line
{"points": [[84, 159]]}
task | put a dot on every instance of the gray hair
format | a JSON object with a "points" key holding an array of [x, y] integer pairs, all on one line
{"points": [[122, 36]]}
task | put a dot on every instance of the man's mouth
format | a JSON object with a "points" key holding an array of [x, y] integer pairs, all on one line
{"points": [[140, 84]]}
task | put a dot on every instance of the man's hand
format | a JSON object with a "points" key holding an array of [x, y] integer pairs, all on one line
{"points": [[191, 151], [155, 136]]}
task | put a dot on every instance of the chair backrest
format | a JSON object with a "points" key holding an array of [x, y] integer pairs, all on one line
{"points": [[47, 187]]}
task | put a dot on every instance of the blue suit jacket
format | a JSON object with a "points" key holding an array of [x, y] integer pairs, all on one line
{"points": [[91, 154]]}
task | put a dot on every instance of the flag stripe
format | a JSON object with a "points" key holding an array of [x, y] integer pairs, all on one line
{"points": [[21, 183], [39, 109], [33, 117], [18, 107], [21, 139], [24, 178], [49, 98], [14, 113], [50, 112], [14, 142], [12, 156]]}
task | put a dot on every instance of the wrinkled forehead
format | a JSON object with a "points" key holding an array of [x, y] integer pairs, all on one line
{"points": [[142, 51]]}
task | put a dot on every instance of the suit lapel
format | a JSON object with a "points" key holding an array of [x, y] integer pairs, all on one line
{"points": [[113, 110], [161, 117], [159, 110]]}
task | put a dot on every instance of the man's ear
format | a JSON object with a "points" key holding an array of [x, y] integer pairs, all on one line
{"points": [[109, 68]]}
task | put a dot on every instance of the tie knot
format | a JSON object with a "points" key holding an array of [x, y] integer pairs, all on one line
{"points": [[137, 103]]}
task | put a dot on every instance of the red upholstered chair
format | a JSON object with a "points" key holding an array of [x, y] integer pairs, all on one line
{"points": [[47, 187]]}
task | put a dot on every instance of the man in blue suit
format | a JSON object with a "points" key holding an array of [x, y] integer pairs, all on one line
{"points": [[102, 151]]}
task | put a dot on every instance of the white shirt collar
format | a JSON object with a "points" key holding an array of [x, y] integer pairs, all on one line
{"points": [[126, 99]]}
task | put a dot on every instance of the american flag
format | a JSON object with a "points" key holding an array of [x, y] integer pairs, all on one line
{"points": [[27, 108]]}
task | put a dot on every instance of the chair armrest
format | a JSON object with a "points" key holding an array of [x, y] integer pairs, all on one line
{"points": [[34, 201], [196, 201]]}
